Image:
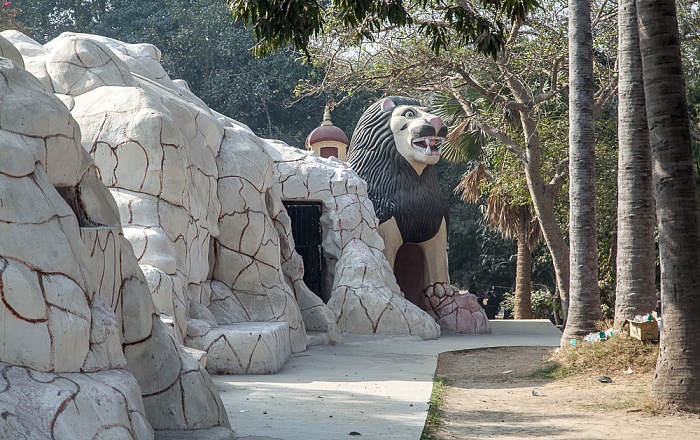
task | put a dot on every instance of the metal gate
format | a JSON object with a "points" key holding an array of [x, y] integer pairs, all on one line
{"points": [[306, 230]]}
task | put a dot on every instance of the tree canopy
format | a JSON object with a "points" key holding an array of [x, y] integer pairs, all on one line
{"points": [[278, 23]]}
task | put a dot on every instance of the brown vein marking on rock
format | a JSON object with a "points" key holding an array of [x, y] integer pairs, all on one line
{"points": [[282, 312], [84, 214], [194, 168], [145, 244], [66, 310], [342, 305], [75, 51], [299, 159], [104, 428], [140, 341], [183, 404], [252, 352], [67, 400], [15, 313], [284, 180], [247, 266], [98, 134], [119, 392], [179, 376], [225, 341], [214, 398], [236, 300], [381, 314], [235, 214], [264, 242], [402, 310], [362, 305], [5, 87]]}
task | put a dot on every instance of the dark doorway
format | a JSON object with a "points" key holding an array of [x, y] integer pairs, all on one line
{"points": [[329, 152], [408, 270], [306, 230]]}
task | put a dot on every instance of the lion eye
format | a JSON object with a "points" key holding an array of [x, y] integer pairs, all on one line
{"points": [[409, 113]]}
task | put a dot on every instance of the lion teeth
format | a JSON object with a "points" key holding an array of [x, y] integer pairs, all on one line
{"points": [[428, 145]]}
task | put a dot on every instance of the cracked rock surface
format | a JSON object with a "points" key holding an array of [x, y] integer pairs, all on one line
{"points": [[77, 315]]}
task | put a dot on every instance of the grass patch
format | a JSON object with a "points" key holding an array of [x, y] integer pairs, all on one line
{"points": [[623, 404], [602, 358], [553, 370], [436, 399], [614, 355]]}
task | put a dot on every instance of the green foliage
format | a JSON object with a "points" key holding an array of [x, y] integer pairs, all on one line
{"points": [[8, 17], [466, 141], [278, 23], [542, 303], [436, 400]]}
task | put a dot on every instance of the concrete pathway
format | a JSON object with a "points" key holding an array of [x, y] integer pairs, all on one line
{"points": [[372, 385]]}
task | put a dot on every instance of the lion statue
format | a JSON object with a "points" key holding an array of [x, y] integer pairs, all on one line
{"points": [[394, 146]]}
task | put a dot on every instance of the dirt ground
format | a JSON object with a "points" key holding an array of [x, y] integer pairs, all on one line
{"points": [[481, 401]]}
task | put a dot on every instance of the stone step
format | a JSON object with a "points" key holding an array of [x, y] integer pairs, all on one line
{"points": [[245, 348], [317, 338]]}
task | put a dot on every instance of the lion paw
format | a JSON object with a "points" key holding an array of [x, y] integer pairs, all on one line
{"points": [[440, 290], [458, 312]]}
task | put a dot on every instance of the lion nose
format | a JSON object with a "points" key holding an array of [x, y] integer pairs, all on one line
{"points": [[436, 123]]}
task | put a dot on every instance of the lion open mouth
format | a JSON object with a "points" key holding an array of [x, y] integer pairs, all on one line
{"points": [[428, 145]]}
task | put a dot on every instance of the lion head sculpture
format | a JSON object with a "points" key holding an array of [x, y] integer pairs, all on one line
{"points": [[394, 145]]}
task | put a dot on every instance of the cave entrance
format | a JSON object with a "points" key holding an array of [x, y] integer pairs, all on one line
{"points": [[306, 230], [408, 270]]}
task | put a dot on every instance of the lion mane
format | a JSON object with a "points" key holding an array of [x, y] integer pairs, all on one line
{"points": [[394, 187]]}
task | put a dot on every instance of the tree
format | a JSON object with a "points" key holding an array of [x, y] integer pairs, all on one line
{"points": [[584, 297], [8, 17], [278, 23], [511, 220], [676, 383], [636, 257]]}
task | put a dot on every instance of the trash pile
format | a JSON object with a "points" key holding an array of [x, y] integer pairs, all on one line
{"points": [[599, 336], [643, 327]]}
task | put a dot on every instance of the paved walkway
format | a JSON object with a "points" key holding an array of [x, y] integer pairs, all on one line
{"points": [[372, 385]]}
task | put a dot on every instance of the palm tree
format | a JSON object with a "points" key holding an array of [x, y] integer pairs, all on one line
{"points": [[584, 296], [676, 383], [512, 221], [636, 259]]}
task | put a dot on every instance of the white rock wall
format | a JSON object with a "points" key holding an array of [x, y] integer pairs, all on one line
{"points": [[79, 307]]}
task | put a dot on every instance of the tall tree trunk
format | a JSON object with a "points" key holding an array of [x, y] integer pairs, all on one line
{"points": [[677, 382], [523, 268], [584, 295], [543, 195], [636, 259]]}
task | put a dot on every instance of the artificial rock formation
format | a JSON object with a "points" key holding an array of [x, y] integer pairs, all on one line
{"points": [[80, 334], [365, 297]]}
